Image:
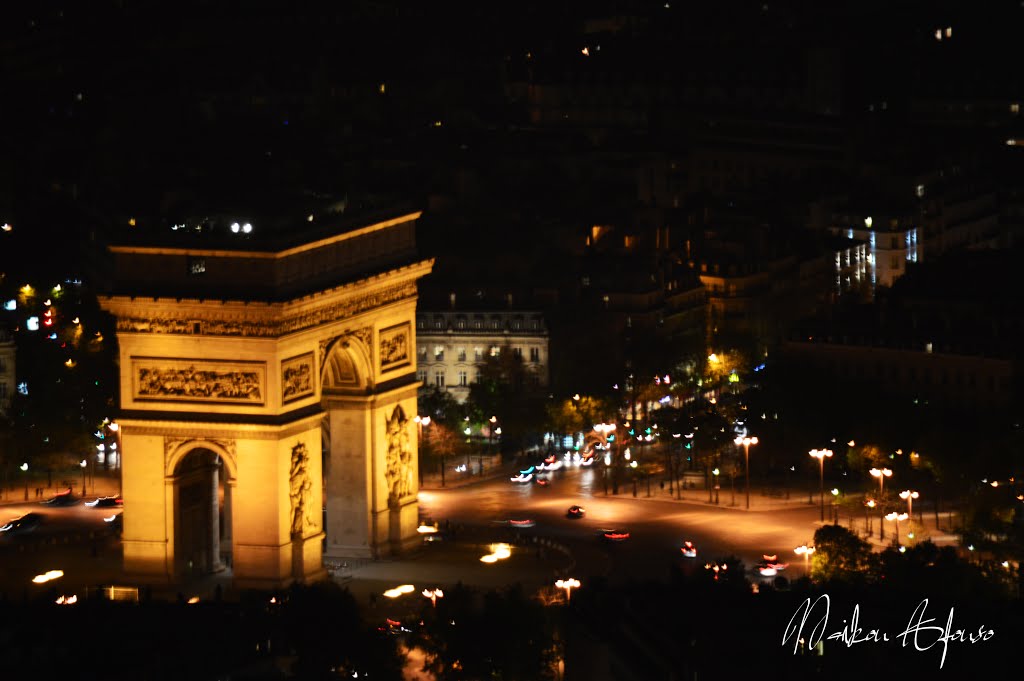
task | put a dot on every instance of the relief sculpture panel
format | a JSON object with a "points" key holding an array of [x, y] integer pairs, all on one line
{"points": [[297, 378], [394, 347], [183, 380]]}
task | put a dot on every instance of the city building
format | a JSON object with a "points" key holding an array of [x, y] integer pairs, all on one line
{"points": [[452, 344], [892, 242], [7, 374], [946, 333]]}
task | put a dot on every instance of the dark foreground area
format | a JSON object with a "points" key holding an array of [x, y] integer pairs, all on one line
{"points": [[694, 627]]}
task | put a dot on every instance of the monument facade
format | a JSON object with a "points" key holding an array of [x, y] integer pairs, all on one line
{"points": [[265, 391]]}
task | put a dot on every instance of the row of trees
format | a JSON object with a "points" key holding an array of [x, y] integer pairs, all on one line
{"points": [[66, 376]]}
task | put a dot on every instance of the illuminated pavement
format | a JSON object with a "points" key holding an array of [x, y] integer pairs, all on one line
{"points": [[76, 540]]}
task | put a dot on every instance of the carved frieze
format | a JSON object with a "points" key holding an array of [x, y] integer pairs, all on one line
{"points": [[188, 380], [298, 378], [394, 346], [267, 328]]}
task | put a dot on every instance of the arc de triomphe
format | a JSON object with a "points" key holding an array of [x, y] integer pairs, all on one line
{"points": [[261, 381]]}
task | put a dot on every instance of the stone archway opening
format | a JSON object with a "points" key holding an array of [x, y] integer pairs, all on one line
{"points": [[202, 488]]}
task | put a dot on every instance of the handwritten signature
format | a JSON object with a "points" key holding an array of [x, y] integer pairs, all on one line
{"points": [[919, 631]]}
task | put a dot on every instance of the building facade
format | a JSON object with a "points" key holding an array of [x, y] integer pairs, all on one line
{"points": [[453, 344], [891, 245], [7, 375]]}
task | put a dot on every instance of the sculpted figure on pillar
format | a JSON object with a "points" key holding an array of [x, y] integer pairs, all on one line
{"points": [[301, 489], [398, 463]]}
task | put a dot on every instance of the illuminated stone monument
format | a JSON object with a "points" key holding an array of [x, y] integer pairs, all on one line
{"points": [[266, 390]]}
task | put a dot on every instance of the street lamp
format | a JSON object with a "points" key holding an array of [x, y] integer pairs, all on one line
{"points": [[870, 503], [605, 429], [568, 585], [420, 422], [897, 517], [806, 552], [821, 455], [910, 495], [746, 442], [83, 463], [433, 595], [24, 469], [490, 441], [881, 474]]}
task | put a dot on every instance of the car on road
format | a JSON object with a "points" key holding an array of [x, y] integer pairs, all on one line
{"points": [[770, 565], [689, 549], [576, 512], [65, 498], [115, 523], [22, 525], [543, 482], [615, 535], [106, 502], [521, 522]]}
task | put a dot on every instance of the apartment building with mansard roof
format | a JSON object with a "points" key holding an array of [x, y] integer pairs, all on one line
{"points": [[452, 344]]}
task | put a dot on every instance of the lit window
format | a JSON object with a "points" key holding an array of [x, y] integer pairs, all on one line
{"points": [[197, 265], [438, 353], [534, 354], [462, 354], [421, 376], [439, 379], [478, 354], [494, 351], [421, 351], [463, 378]]}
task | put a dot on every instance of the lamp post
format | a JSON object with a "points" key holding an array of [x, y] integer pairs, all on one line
{"points": [[821, 455], [114, 428], [835, 505], [24, 469], [870, 503], [896, 517], [746, 442], [568, 585], [421, 421], [806, 552], [83, 463], [604, 430], [881, 474], [433, 595], [910, 495], [493, 421]]}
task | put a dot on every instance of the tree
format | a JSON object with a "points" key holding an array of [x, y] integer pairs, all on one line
{"points": [[440, 442], [503, 635], [578, 416], [323, 627], [504, 388], [840, 555], [441, 407]]}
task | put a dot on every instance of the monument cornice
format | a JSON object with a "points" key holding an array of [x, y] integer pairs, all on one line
{"points": [[218, 432], [205, 317]]}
